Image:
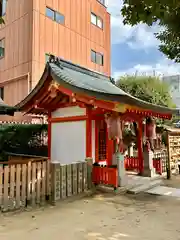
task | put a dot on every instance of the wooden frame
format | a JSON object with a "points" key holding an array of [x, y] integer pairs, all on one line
{"points": [[97, 128], [86, 118]]}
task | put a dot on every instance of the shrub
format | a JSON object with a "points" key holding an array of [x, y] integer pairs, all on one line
{"points": [[26, 139]]}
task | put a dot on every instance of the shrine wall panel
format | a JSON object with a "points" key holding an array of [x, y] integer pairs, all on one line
{"points": [[69, 112], [68, 142]]}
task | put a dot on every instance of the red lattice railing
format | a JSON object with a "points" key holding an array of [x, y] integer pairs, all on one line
{"points": [[102, 141], [163, 155], [132, 163], [105, 175], [157, 164], [109, 175]]}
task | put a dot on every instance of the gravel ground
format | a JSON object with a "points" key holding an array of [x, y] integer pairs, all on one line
{"points": [[101, 217]]}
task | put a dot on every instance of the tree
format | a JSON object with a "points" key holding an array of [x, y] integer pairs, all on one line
{"points": [[1, 20], [150, 89], [165, 13]]}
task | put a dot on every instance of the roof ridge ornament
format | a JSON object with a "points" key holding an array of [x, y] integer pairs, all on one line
{"points": [[112, 80], [53, 89], [55, 60]]}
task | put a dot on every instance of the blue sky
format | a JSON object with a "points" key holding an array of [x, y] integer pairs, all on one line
{"points": [[135, 49]]}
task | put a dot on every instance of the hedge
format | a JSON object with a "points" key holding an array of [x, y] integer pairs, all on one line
{"points": [[25, 139]]}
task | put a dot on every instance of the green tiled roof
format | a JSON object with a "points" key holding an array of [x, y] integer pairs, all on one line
{"points": [[96, 85], [80, 79]]}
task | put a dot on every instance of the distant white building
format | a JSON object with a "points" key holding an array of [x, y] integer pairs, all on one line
{"points": [[174, 83]]}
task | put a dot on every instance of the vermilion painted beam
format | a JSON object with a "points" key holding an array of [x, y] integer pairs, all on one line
{"points": [[88, 100], [147, 113], [36, 102], [68, 119], [128, 117]]}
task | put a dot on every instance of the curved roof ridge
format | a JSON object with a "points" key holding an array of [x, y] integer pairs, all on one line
{"points": [[82, 80]]}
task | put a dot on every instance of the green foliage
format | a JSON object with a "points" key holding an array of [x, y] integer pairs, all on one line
{"points": [[23, 139], [150, 89], [1, 20], [165, 13]]}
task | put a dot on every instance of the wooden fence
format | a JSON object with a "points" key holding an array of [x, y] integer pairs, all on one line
{"points": [[24, 184], [34, 182], [69, 180]]}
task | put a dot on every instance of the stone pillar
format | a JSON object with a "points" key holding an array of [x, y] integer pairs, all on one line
{"points": [[149, 170], [89, 172], [130, 151], [114, 160], [55, 182], [122, 177]]}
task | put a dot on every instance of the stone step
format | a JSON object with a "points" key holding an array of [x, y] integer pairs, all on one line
{"points": [[139, 181], [132, 186], [145, 187], [165, 191]]}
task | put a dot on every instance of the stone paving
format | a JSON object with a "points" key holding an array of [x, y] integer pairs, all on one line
{"points": [[166, 191]]}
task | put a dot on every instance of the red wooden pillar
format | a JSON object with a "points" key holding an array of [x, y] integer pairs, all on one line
{"points": [[140, 145], [96, 141], [89, 133], [49, 135]]}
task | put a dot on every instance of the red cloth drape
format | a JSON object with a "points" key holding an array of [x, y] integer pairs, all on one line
{"points": [[151, 130], [114, 127]]}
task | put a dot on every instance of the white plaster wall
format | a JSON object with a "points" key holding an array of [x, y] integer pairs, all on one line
{"points": [[69, 112], [93, 140], [68, 142]]}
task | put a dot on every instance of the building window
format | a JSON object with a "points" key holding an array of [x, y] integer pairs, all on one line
{"points": [[2, 47], [102, 2], [96, 20], [55, 16], [99, 23], [59, 18], [3, 7], [50, 13], [93, 56], [2, 93], [93, 18], [97, 58]]}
